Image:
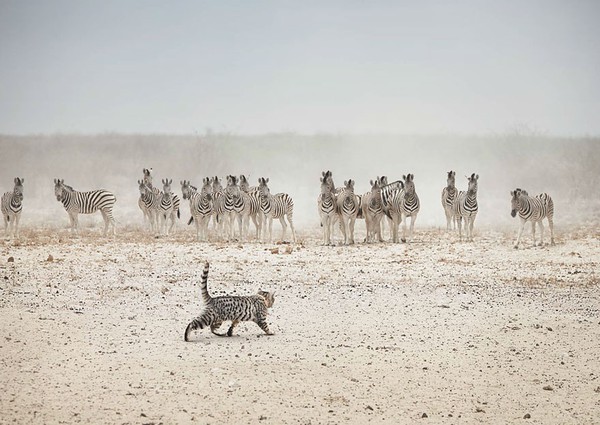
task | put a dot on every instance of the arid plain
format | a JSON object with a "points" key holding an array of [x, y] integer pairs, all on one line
{"points": [[436, 330]]}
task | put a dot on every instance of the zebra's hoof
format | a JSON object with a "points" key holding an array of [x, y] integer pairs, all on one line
{"points": [[403, 240], [516, 247]]}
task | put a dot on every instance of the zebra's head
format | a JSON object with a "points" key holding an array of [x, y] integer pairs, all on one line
{"points": [[515, 201], [216, 184], [325, 186], [262, 186], [18, 190], [167, 187], [207, 186], [232, 181], [375, 186], [383, 181], [409, 184], [186, 188], [451, 179], [328, 179], [147, 176], [349, 185], [244, 185], [59, 188], [472, 189]]}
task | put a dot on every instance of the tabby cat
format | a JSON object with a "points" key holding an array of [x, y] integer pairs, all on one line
{"points": [[235, 308]]}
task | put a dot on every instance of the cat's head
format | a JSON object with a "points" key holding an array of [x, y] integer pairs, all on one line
{"points": [[268, 296]]}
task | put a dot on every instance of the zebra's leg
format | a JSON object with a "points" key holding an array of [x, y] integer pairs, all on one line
{"points": [[541, 224], [270, 228], [290, 218], [551, 226], [448, 219], [351, 229], [106, 221], [471, 225], [533, 232], [74, 222], [516, 246], [283, 227], [413, 218], [459, 221], [404, 228], [6, 221], [173, 216], [17, 218]]}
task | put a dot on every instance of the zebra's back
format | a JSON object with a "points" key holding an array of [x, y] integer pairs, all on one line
{"points": [[92, 201]]}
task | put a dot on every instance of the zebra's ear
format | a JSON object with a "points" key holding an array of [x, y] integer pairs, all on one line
{"points": [[371, 182], [345, 182], [267, 180], [22, 180], [477, 177], [170, 181], [403, 177]]}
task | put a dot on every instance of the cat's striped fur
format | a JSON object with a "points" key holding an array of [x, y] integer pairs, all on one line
{"points": [[230, 308]]}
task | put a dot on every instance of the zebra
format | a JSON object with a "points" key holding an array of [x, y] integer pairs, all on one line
{"points": [[221, 208], [76, 203], [200, 206], [279, 206], [410, 205], [240, 208], [326, 204], [151, 199], [533, 209], [348, 205], [372, 207], [392, 197], [253, 202], [167, 206], [154, 209], [12, 205], [147, 179], [465, 206], [448, 196]]}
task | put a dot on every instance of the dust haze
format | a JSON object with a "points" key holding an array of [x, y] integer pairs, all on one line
{"points": [[566, 168]]}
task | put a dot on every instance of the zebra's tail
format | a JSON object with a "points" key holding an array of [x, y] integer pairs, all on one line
{"points": [[178, 213], [203, 284], [191, 220]]}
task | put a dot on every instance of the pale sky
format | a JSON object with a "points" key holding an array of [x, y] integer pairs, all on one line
{"points": [[248, 67]]}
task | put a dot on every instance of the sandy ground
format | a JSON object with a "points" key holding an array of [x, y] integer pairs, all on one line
{"points": [[383, 333]]}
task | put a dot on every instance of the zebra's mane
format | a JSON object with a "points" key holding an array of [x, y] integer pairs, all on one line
{"points": [[398, 184], [69, 188]]}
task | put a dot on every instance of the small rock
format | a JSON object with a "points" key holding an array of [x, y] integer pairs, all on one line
{"points": [[164, 290], [424, 415], [597, 390], [369, 408], [275, 251], [50, 258], [549, 328], [527, 416], [11, 259], [549, 388]]}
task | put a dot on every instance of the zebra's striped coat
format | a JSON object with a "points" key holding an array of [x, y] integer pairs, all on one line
{"points": [[449, 194], [280, 205], [465, 207], [200, 207], [533, 209], [76, 203], [11, 205]]}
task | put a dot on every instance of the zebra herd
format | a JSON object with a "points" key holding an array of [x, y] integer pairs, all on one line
{"points": [[396, 201], [234, 205]]}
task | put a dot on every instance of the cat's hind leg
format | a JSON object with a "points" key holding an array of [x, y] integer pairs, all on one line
{"points": [[214, 327], [233, 325]]}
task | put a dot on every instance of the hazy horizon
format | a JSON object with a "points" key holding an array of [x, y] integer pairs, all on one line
{"points": [[183, 67]]}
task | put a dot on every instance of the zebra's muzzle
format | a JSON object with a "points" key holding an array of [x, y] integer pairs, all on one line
{"points": [[513, 213]]}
